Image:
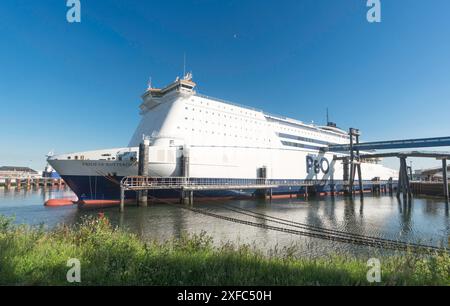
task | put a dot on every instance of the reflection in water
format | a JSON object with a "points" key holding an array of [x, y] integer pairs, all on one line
{"points": [[405, 205], [424, 220]]}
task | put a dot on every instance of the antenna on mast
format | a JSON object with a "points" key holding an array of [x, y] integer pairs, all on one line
{"points": [[329, 123], [184, 64], [149, 85]]}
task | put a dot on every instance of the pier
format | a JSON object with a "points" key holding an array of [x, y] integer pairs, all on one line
{"points": [[28, 182], [404, 182], [187, 186]]}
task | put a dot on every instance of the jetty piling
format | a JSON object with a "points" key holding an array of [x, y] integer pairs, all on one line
{"points": [[445, 178], [143, 170]]}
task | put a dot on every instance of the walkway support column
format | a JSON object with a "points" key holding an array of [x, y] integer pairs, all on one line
{"points": [[358, 166], [122, 199], [352, 159], [403, 181], [143, 170], [445, 178]]}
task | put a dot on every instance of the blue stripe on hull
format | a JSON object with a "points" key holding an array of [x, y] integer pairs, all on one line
{"points": [[102, 188]]}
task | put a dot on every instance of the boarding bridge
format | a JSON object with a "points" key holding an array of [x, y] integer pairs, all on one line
{"points": [[355, 157]]}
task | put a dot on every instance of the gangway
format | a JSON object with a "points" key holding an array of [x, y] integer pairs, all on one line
{"points": [[354, 159], [187, 185], [393, 144]]}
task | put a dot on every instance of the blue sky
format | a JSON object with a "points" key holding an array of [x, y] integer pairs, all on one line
{"points": [[72, 87]]}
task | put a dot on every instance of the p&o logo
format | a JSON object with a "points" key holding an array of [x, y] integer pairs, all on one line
{"points": [[317, 164]]}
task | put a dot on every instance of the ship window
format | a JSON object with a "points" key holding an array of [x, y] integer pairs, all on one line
{"points": [[68, 157], [76, 157]]}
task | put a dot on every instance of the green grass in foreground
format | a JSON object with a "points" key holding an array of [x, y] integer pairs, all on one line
{"points": [[109, 256]]}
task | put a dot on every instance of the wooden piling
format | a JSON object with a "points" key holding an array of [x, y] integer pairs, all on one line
{"points": [[7, 183]]}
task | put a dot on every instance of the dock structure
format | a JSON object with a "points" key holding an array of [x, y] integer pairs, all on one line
{"points": [[404, 181], [187, 186], [28, 182]]}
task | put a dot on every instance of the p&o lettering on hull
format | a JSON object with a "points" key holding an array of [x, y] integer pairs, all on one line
{"points": [[317, 164]]}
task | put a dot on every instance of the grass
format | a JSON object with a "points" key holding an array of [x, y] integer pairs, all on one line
{"points": [[110, 256]]}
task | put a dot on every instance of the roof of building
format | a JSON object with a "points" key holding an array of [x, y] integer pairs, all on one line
{"points": [[433, 171], [18, 169]]}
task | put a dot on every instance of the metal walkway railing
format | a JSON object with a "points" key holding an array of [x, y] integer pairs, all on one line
{"points": [[394, 144], [184, 183]]}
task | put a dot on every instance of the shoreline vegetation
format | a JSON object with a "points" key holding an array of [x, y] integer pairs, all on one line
{"points": [[112, 256]]}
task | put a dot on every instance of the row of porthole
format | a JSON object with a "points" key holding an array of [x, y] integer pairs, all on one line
{"points": [[219, 123], [256, 122], [231, 109], [187, 118], [236, 118], [81, 157], [248, 113], [225, 134], [225, 116]]}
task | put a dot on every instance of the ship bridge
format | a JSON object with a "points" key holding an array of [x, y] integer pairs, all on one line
{"points": [[153, 96]]}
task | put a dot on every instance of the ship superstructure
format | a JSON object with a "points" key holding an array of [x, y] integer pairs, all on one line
{"points": [[220, 139]]}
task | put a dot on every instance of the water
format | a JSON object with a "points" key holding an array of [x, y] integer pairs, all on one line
{"points": [[423, 220]]}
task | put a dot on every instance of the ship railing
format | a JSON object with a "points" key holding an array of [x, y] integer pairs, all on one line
{"points": [[131, 182]]}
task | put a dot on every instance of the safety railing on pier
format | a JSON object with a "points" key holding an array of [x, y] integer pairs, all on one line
{"points": [[148, 183]]}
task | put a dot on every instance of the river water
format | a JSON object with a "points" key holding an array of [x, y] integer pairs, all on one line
{"points": [[422, 220]]}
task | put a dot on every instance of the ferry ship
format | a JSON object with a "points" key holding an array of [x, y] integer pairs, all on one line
{"points": [[220, 139]]}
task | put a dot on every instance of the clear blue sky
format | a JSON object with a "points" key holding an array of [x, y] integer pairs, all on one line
{"points": [[71, 87]]}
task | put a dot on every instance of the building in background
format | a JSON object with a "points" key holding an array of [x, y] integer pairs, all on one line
{"points": [[430, 174], [17, 172]]}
